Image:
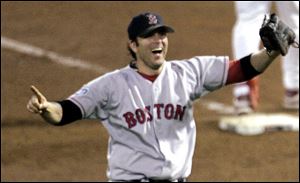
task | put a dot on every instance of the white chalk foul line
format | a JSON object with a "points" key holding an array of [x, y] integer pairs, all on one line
{"points": [[41, 53]]}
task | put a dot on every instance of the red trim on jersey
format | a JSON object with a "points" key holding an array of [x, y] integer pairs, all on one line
{"points": [[235, 72], [148, 77]]}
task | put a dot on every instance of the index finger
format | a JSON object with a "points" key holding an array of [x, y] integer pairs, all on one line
{"points": [[36, 92]]}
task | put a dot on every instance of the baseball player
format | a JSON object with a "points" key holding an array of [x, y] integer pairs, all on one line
{"points": [[246, 41], [147, 106]]}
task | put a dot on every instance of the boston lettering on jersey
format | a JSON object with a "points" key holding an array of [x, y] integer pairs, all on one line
{"points": [[168, 111]]}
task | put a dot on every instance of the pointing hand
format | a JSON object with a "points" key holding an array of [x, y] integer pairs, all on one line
{"points": [[38, 103]]}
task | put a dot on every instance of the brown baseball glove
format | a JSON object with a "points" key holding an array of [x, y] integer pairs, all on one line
{"points": [[276, 35]]}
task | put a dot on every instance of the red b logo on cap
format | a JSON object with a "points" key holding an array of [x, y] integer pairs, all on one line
{"points": [[152, 19]]}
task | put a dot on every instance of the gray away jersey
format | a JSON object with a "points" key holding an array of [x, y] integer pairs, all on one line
{"points": [[151, 125]]}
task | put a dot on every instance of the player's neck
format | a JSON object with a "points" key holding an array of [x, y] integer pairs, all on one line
{"points": [[146, 70], [151, 78]]}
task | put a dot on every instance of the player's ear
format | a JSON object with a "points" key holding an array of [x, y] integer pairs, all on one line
{"points": [[133, 45]]}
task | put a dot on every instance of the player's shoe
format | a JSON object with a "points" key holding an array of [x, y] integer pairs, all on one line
{"points": [[291, 100], [242, 105]]}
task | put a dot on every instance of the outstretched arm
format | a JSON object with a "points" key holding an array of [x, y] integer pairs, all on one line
{"points": [[250, 66], [276, 38], [262, 59]]}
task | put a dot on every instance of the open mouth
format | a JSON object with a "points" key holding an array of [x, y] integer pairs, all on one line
{"points": [[157, 50]]}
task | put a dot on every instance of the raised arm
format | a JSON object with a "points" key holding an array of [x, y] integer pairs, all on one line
{"points": [[276, 38], [262, 59]]}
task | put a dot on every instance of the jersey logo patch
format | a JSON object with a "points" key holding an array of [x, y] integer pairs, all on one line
{"points": [[82, 91]]}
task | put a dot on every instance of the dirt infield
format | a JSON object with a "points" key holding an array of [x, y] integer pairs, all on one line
{"points": [[32, 150]]}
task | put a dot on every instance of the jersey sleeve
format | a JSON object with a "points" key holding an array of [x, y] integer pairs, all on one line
{"points": [[207, 72], [93, 98]]}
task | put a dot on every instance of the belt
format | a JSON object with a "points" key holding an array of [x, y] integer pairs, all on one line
{"points": [[158, 180]]}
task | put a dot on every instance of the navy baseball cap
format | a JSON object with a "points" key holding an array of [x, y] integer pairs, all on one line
{"points": [[145, 23]]}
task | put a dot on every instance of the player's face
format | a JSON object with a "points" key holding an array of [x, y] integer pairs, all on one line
{"points": [[151, 51]]}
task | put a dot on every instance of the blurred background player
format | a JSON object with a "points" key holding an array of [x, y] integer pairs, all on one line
{"points": [[245, 40]]}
